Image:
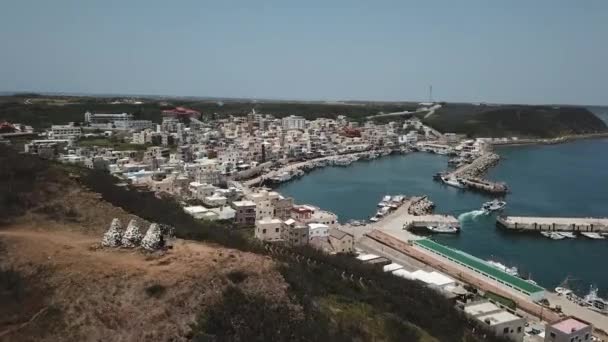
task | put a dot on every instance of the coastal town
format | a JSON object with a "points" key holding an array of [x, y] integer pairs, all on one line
{"points": [[225, 169]]}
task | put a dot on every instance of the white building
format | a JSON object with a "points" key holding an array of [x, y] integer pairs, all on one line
{"points": [[215, 200], [197, 211], [66, 131], [569, 329], [317, 230], [268, 229], [501, 322], [293, 122], [201, 190]]}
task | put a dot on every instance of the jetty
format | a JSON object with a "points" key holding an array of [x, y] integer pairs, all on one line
{"points": [[469, 175], [558, 224]]}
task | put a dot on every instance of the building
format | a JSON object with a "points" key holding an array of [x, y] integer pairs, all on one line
{"points": [[66, 131], [245, 213], [293, 122], [269, 229], [317, 230], [569, 329], [341, 241], [181, 112], [197, 211], [501, 322], [499, 277], [105, 121], [295, 233]]}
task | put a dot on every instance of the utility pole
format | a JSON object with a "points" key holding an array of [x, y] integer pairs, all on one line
{"points": [[431, 93]]}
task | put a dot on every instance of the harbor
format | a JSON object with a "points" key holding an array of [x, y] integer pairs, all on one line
{"points": [[535, 190]]}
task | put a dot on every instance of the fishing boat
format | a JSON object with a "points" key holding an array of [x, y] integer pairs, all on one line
{"points": [[494, 205], [568, 235], [595, 302], [509, 270], [552, 235], [594, 236], [452, 181], [443, 229]]}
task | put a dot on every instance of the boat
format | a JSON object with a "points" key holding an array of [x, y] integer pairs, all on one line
{"points": [[452, 181], [385, 202], [552, 235], [595, 302], [562, 291], [494, 205], [443, 229], [568, 235], [509, 270], [594, 236]]}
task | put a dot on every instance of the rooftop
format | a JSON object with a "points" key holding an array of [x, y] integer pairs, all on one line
{"points": [[498, 317], [569, 325], [243, 203], [480, 265]]}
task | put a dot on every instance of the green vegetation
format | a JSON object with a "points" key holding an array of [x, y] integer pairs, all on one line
{"points": [[473, 120], [110, 143], [514, 120], [508, 302]]}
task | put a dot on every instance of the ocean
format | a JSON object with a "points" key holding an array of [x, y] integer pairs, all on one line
{"points": [[545, 180]]}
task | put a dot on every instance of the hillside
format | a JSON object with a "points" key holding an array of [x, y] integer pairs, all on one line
{"points": [[58, 285], [513, 120]]}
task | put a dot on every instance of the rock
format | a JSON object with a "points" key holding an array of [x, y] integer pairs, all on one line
{"points": [[133, 236], [153, 239], [113, 237]]}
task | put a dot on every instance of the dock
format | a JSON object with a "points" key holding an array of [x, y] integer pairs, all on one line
{"points": [[563, 224], [470, 175], [422, 221]]}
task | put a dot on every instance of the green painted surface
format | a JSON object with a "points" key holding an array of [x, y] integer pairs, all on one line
{"points": [[480, 265]]}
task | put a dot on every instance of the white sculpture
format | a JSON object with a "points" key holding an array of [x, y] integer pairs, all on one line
{"points": [[153, 239], [112, 238], [132, 236]]}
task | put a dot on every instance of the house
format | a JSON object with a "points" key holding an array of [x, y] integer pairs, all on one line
{"points": [[295, 233], [318, 230], [66, 131], [269, 229], [197, 211], [501, 322], [341, 241], [245, 213], [569, 329]]}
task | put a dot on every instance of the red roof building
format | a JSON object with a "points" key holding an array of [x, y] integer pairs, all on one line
{"points": [[181, 112]]}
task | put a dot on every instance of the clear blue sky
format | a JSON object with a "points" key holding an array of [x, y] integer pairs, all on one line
{"points": [[528, 51]]}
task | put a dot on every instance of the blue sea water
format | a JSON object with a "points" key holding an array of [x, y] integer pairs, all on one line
{"points": [[545, 180]]}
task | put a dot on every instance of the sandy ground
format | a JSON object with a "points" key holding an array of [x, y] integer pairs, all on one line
{"points": [[101, 292]]}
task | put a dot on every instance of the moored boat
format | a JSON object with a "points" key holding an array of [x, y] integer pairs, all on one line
{"points": [[594, 236], [452, 181], [443, 229]]}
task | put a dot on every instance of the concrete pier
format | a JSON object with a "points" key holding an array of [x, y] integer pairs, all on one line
{"points": [[564, 224], [470, 175]]}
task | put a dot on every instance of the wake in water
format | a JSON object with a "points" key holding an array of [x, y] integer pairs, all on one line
{"points": [[471, 215]]}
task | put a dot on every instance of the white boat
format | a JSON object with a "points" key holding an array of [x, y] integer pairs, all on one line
{"points": [[562, 291], [374, 219], [386, 198], [452, 181], [568, 235], [443, 229], [594, 236], [552, 235], [494, 205], [595, 302], [509, 270]]}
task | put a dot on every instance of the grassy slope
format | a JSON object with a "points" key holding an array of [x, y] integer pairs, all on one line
{"points": [[522, 121]]}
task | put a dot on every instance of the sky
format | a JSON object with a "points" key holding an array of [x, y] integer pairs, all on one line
{"points": [[541, 51]]}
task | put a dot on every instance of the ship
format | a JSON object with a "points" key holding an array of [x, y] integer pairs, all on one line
{"points": [[595, 302], [509, 270], [443, 229], [452, 181], [494, 205], [594, 236]]}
